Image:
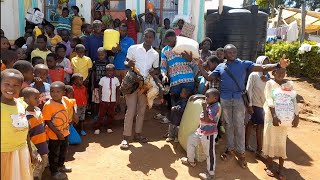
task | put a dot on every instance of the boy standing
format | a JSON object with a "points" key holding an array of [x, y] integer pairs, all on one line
{"points": [[206, 133], [42, 51], [81, 64], [55, 113], [41, 74], [94, 41]]}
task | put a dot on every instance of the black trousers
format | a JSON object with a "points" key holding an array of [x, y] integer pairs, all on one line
{"points": [[57, 153]]}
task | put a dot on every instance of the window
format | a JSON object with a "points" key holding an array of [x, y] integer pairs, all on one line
{"points": [[52, 6], [116, 8], [165, 8]]}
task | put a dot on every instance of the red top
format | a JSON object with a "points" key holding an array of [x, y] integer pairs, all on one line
{"points": [[132, 31], [56, 74], [80, 94]]}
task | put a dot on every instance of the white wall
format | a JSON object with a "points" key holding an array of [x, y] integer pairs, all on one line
{"points": [[85, 9], [10, 19]]}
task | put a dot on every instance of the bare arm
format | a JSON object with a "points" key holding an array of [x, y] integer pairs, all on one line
{"points": [[265, 68], [157, 18], [140, 17], [55, 130], [205, 74]]}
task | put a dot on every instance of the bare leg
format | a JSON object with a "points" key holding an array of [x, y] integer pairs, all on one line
{"points": [[269, 168], [281, 175], [259, 134], [249, 128]]}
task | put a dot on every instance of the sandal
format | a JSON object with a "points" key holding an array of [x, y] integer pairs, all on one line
{"points": [[242, 161], [140, 139], [185, 161], [124, 145], [225, 155], [269, 172]]}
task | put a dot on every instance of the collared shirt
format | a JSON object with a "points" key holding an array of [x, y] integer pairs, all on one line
{"points": [[144, 60], [109, 88], [81, 65], [210, 128], [92, 44], [42, 54], [68, 45], [239, 69], [120, 57], [180, 70]]}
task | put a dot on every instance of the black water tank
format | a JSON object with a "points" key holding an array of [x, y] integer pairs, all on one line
{"points": [[240, 27]]}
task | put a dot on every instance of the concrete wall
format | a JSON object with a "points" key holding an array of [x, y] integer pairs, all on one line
{"points": [[85, 9], [10, 19]]}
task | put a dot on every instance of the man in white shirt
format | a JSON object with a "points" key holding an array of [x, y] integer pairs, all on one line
{"points": [[146, 59]]}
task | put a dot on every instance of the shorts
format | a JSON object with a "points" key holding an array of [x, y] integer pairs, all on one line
{"points": [[96, 96], [81, 112], [258, 115]]}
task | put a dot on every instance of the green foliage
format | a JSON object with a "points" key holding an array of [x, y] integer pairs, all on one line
{"points": [[302, 64], [310, 4]]}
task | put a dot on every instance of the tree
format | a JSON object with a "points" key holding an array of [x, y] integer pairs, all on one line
{"points": [[310, 4]]}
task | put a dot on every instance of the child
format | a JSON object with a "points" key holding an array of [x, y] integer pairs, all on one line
{"points": [[206, 133], [65, 35], [212, 62], [73, 118], [94, 41], [73, 43], [63, 62], [275, 136], [15, 156], [8, 59], [64, 21], [5, 45], [220, 54], [98, 71], [56, 73], [109, 95], [69, 92], [26, 69], [42, 51], [37, 60], [55, 114], [54, 38], [21, 53], [41, 72], [116, 24], [205, 48], [81, 63], [179, 27], [166, 23], [176, 115], [86, 31], [76, 22], [36, 128], [80, 94]]}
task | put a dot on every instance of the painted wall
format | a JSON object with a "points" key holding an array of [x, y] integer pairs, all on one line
{"points": [[85, 9], [10, 19]]}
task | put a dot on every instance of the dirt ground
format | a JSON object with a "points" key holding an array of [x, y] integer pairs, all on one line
{"points": [[100, 158]]}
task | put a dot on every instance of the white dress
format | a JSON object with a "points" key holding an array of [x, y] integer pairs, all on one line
{"points": [[274, 137]]}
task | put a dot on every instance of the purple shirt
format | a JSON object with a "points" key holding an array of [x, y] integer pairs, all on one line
{"points": [[69, 49]]}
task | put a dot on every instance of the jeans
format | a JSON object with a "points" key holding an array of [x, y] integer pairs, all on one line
{"points": [[57, 153], [233, 112]]}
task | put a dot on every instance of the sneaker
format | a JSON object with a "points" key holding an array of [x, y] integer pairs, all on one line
{"points": [[169, 139], [65, 169], [109, 131], [83, 133], [59, 175], [97, 131], [159, 116], [176, 140], [186, 162], [124, 145], [206, 176], [164, 120]]}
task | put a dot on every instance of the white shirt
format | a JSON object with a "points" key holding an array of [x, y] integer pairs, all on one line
{"points": [[144, 60], [109, 93], [255, 88]]}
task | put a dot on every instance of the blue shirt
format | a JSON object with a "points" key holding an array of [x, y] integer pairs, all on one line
{"points": [[44, 93], [121, 56], [239, 69], [92, 44]]}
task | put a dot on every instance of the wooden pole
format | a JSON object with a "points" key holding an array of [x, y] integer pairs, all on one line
{"points": [[303, 21], [280, 15]]}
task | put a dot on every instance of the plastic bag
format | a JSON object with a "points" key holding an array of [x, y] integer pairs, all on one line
{"points": [[187, 44], [74, 137]]}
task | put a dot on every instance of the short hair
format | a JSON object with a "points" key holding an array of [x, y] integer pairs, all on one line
{"points": [[214, 92], [101, 49], [58, 84], [23, 66], [20, 42], [169, 33], [50, 26], [14, 71], [77, 40], [110, 66], [75, 8], [188, 91], [128, 10], [206, 39], [29, 26], [69, 88], [166, 19], [60, 46], [52, 55], [7, 56], [80, 46], [75, 76], [96, 22], [220, 49], [41, 36], [65, 9], [29, 91], [213, 59], [229, 46], [34, 59], [41, 66], [150, 30], [84, 26], [123, 25]]}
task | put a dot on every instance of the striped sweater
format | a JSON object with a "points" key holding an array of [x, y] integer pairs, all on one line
{"points": [[37, 132]]}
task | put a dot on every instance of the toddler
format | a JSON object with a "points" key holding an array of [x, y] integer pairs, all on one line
{"points": [[109, 95], [206, 133]]}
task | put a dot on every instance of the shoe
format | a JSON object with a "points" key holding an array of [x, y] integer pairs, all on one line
{"points": [[169, 139], [159, 116], [185, 161], [176, 140], [83, 133], [97, 131], [59, 175], [109, 131], [65, 169], [164, 120], [124, 145], [206, 176]]}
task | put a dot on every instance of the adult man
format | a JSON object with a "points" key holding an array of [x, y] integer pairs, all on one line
{"points": [[152, 21], [231, 100], [121, 52], [145, 58], [133, 25]]}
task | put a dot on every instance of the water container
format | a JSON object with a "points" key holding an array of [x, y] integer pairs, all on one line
{"points": [[111, 39]]}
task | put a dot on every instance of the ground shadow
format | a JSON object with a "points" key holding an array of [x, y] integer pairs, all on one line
{"points": [[297, 155]]}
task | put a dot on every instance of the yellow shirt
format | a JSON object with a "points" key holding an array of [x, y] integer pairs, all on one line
{"points": [[42, 54], [81, 65], [55, 40], [14, 127], [76, 26]]}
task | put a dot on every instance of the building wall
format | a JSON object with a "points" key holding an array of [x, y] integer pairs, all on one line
{"points": [[10, 19]]}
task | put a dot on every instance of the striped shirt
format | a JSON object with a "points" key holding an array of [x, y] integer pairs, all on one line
{"points": [[37, 132], [209, 128], [64, 23]]}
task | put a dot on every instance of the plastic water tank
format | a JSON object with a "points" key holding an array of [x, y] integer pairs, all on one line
{"points": [[243, 28], [110, 39]]}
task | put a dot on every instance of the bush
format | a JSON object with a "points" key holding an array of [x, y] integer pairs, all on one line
{"points": [[302, 64]]}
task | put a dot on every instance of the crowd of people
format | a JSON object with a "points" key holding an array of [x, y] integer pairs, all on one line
{"points": [[52, 79]]}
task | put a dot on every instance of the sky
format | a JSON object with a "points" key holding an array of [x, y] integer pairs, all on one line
{"points": [[213, 4]]}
